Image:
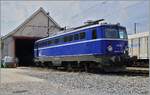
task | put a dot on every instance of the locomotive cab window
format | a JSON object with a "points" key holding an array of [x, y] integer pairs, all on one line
{"points": [[82, 35], [94, 34]]}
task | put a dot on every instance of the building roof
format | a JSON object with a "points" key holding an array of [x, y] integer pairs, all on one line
{"points": [[28, 19]]}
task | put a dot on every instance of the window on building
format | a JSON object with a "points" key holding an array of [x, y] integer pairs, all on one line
{"points": [[82, 35], [76, 37], [94, 34]]}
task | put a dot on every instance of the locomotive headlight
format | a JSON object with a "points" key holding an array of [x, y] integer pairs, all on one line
{"points": [[109, 48]]}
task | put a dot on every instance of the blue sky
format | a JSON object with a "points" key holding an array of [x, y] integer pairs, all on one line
{"points": [[75, 13]]}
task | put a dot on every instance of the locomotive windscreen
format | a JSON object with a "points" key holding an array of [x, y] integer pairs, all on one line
{"points": [[122, 33], [115, 32]]}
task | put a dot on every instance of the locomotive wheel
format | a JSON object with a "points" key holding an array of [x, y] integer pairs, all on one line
{"points": [[69, 67], [109, 69], [50, 64], [85, 67], [37, 64], [42, 64]]}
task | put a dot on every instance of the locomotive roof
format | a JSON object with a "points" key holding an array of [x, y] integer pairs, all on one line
{"points": [[76, 30]]}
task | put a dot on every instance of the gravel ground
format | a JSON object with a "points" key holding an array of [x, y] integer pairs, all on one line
{"points": [[51, 82]]}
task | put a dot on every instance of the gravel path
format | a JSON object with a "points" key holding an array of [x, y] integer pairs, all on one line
{"points": [[51, 82]]}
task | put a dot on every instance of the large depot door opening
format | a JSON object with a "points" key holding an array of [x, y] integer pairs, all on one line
{"points": [[24, 50]]}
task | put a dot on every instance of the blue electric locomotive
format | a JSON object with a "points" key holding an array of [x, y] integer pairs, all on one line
{"points": [[100, 45]]}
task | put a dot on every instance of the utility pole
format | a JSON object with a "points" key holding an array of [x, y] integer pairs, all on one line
{"points": [[48, 25], [135, 26]]}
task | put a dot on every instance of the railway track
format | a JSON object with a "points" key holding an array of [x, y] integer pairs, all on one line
{"points": [[129, 71], [136, 71]]}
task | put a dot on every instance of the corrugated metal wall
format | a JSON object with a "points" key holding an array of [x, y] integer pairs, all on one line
{"points": [[139, 46]]}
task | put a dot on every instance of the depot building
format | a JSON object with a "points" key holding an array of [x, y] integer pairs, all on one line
{"points": [[20, 42]]}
